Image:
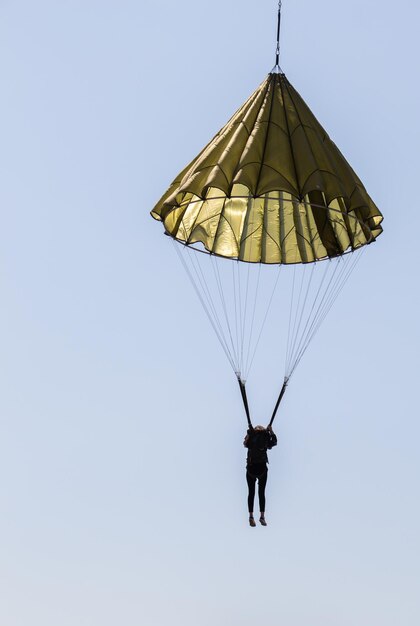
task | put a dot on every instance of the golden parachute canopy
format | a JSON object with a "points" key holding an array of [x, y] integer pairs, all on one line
{"points": [[271, 187]]}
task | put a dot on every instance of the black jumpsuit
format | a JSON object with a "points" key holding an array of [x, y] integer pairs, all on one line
{"points": [[257, 442]]}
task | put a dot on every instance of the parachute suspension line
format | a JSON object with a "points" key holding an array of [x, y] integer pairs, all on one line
{"points": [[296, 329], [203, 303], [292, 353], [248, 348], [312, 320], [241, 330], [304, 333], [278, 35], [236, 316], [296, 311], [313, 292], [235, 300], [296, 306], [335, 285], [215, 266], [248, 353], [245, 309], [337, 288], [290, 318], [348, 265], [209, 308], [339, 271], [236, 351], [264, 320], [245, 290], [195, 262]]}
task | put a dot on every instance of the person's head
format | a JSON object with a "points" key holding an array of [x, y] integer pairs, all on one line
{"points": [[259, 428]]}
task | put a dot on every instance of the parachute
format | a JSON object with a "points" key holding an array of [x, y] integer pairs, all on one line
{"points": [[269, 206]]}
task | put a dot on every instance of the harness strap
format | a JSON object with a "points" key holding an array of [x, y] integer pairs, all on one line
{"points": [[245, 400], [279, 399]]}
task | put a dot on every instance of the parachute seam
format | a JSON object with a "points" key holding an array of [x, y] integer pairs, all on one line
{"points": [[239, 165], [292, 152], [257, 184]]}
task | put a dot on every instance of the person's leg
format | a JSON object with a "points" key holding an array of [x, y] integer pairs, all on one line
{"points": [[251, 495], [262, 481]]}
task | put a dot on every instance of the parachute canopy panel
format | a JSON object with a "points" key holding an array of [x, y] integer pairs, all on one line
{"points": [[271, 187]]}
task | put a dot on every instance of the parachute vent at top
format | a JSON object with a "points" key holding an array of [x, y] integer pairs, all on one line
{"points": [[271, 187]]}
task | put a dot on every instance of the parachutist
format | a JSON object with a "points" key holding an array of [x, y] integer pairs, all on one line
{"points": [[270, 189], [258, 440]]}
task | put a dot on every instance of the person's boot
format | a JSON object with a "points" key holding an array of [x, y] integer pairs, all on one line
{"points": [[262, 520], [252, 521]]}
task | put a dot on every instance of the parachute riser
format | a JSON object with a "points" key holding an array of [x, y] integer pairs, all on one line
{"points": [[279, 399], [244, 399]]}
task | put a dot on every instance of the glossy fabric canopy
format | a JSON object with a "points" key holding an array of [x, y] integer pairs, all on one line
{"points": [[271, 187]]}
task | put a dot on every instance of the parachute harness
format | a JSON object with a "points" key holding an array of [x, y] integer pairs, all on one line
{"points": [[245, 400]]}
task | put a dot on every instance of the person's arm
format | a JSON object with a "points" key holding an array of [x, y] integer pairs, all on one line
{"points": [[247, 436], [272, 439]]}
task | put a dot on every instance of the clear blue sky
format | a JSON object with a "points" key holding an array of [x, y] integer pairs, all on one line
{"points": [[123, 497]]}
